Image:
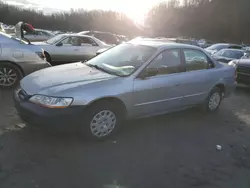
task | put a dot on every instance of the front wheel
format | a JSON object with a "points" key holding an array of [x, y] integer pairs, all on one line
{"points": [[213, 101], [10, 75], [102, 121]]}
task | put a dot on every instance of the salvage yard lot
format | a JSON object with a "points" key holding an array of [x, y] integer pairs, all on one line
{"points": [[175, 150]]}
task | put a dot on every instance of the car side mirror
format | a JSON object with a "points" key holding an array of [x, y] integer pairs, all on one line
{"points": [[148, 72], [59, 44]]}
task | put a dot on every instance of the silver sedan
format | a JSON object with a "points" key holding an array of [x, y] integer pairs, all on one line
{"points": [[132, 80], [18, 58], [66, 48], [38, 35]]}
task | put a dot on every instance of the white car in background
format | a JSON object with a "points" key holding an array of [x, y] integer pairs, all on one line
{"points": [[18, 58], [66, 48], [38, 35]]}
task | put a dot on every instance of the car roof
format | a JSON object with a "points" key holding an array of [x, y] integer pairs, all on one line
{"points": [[162, 45]]}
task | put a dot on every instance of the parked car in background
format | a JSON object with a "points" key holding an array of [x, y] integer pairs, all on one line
{"points": [[122, 38], [106, 37], [219, 46], [158, 39], [243, 70], [38, 35], [2, 28], [58, 32], [246, 53], [227, 55], [66, 48], [131, 80], [204, 43], [17, 59]]}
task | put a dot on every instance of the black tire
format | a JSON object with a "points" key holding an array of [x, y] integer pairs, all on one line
{"points": [[47, 56], [96, 108], [5, 66], [206, 107]]}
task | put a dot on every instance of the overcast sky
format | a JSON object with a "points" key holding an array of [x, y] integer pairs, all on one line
{"points": [[133, 8]]}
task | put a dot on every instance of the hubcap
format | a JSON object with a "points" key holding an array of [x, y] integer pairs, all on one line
{"points": [[214, 101], [8, 76], [103, 123]]}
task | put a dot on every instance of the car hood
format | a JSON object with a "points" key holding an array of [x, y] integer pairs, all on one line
{"points": [[69, 75], [244, 62]]}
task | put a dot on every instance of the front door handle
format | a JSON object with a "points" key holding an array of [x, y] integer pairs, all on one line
{"points": [[177, 84], [76, 50]]}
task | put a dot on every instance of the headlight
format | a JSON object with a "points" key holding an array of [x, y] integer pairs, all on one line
{"points": [[232, 63], [51, 102]]}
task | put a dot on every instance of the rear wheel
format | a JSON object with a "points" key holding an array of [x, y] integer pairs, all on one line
{"points": [[102, 120], [10, 75], [213, 101]]}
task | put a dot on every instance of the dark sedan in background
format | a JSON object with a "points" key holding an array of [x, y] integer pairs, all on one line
{"points": [[219, 46], [106, 37], [227, 55], [243, 70]]}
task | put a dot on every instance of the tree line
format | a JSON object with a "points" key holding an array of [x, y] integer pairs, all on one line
{"points": [[74, 20], [216, 20]]}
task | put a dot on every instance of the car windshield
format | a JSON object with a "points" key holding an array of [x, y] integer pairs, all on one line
{"points": [[217, 47], [55, 39], [123, 59], [234, 54]]}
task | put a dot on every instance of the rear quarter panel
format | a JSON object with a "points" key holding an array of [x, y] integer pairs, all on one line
{"points": [[226, 76], [23, 55], [20, 53]]}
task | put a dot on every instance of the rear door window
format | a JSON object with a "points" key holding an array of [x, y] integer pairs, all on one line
{"points": [[87, 40], [167, 62], [195, 60]]}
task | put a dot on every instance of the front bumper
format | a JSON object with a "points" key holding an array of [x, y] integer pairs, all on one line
{"points": [[243, 79], [56, 119], [243, 74]]}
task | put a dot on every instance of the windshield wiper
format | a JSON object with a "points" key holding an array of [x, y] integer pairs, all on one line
{"points": [[97, 67], [101, 69]]}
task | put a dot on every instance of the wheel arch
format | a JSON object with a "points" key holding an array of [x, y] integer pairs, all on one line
{"points": [[15, 64], [49, 60], [221, 86], [113, 100]]}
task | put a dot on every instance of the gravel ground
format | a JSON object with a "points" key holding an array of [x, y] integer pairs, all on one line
{"points": [[177, 150]]}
